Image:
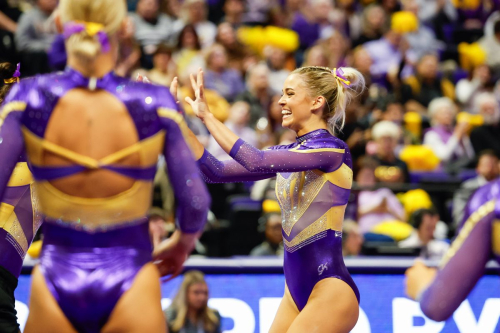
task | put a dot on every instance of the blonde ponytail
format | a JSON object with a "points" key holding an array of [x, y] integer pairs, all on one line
{"points": [[106, 13], [338, 86]]}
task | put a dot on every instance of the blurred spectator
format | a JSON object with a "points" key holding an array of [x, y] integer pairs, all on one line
{"points": [[270, 224], [311, 22], [151, 29], [491, 45], [487, 136], [375, 206], [189, 312], [394, 111], [9, 15], [448, 142], [260, 12], [426, 84], [433, 10], [387, 53], [236, 51], [487, 169], [315, 56], [352, 239], [347, 18], [195, 13], [476, 82], [258, 94], [35, 33], [386, 135], [276, 61], [423, 40], [372, 24], [424, 222], [129, 52], [336, 46], [219, 77], [233, 12], [163, 71], [239, 116], [188, 54]]}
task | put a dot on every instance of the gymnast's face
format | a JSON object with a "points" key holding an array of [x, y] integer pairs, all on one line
{"points": [[296, 104]]}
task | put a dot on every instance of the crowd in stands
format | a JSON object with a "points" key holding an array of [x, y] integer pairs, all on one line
{"points": [[423, 135]]}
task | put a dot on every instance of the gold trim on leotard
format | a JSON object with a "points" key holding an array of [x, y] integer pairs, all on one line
{"points": [[472, 221], [495, 237], [10, 223], [21, 175], [11, 107]]}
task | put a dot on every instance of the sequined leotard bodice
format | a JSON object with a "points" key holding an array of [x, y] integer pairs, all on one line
{"points": [[477, 242], [314, 177]]}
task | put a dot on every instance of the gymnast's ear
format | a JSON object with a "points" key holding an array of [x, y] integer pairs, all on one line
{"points": [[57, 20]]}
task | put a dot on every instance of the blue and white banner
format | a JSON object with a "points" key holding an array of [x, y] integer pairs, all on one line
{"points": [[248, 303]]}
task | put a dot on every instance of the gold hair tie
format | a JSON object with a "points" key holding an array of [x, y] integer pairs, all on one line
{"points": [[11, 80], [339, 75], [91, 28]]}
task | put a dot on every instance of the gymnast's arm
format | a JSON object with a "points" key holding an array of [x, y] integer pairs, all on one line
{"points": [[11, 138], [193, 200], [462, 267]]}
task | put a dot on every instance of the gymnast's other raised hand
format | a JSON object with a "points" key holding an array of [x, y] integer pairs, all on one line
{"points": [[418, 278], [199, 105]]}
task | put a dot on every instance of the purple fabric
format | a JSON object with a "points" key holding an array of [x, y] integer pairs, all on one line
{"points": [[320, 256], [338, 72], [313, 263], [308, 32], [72, 28], [17, 73], [458, 277], [142, 102], [51, 173], [87, 273], [9, 254]]}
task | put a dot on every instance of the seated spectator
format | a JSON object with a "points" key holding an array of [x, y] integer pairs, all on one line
{"points": [[195, 13], [468, 88], [372, 24], [226, 81], [424, 222], [487, 136], [426, 84], [491, 45], [336, 46], [352, 239], [270, 224], [152, 28], [129, 52], [163, 71], [35, 33], [189, 312], [315, 56], [239, 116], [188, 54], [487, 169], [448, 142], [234, 11], [394, 111], [375, 206], [257, 94], [276, 61], [236, 51], [392, 170]]}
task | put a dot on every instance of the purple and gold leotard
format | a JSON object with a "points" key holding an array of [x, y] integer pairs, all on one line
{"points": [[477, 242], [314, 178], [94, 247], [19, 219]]}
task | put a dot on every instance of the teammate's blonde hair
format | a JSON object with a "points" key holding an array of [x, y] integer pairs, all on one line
{"points": [[323, 81], [109, 13]]}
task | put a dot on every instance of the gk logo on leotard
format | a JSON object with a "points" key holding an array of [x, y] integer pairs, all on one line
{"points": [[322, 268]]}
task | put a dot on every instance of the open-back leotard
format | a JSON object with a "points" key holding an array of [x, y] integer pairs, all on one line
{"points": [[94, 247]]}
